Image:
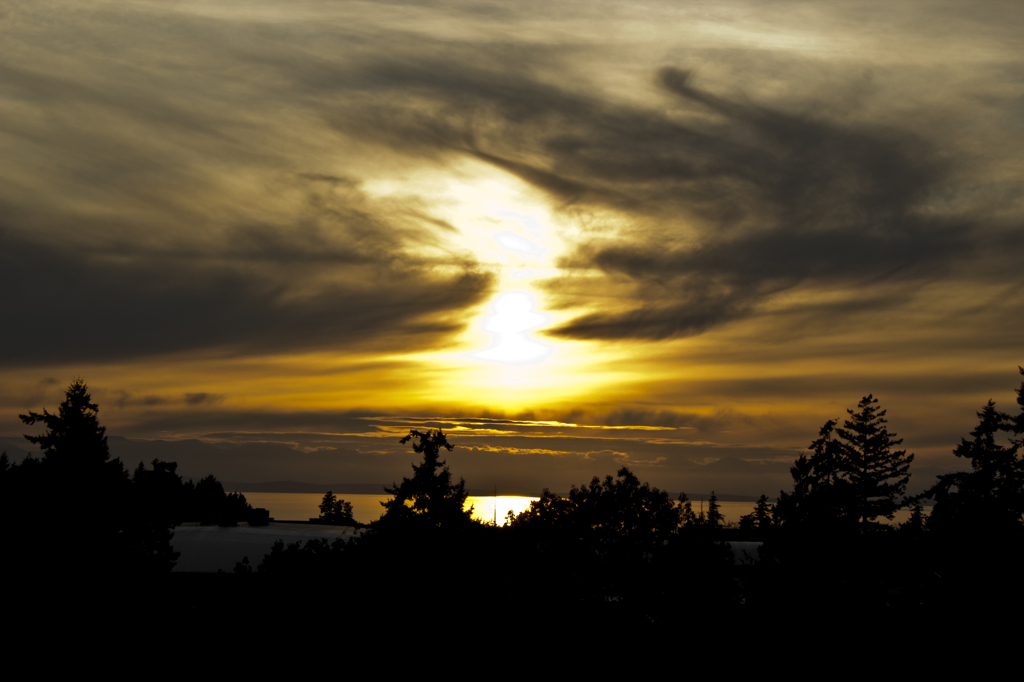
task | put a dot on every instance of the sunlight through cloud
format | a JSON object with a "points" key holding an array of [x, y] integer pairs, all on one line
{"points": [[513, 317]]}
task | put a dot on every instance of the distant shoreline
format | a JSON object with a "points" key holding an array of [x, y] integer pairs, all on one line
{"points": [[378, 489]]}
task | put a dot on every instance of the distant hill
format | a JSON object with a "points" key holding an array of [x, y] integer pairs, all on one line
{"points": [[17, 448]]}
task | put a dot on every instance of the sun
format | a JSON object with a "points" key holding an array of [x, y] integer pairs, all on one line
{"points": [[513, 317]]}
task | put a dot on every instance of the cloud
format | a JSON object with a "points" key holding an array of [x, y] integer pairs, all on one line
{"points": [[774, 201], [258, 291], [522, 465], [721, 205], [146, 213], [203, 398], [242, 224], [831, 202]]}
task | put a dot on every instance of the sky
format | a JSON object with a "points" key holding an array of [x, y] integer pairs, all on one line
{"points": [[273, 237]]}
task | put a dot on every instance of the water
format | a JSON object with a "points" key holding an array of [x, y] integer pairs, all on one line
{"points": [[367, 508]]}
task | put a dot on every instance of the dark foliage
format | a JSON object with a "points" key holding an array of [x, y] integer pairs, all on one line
{"points": [[619, 547], [616, 554], [74, 441], [714, 517], [613, 514], [975, 531], [959, 561], [853, 476], [429, 501], [758, 523], [208, 504], [818, 555], [314, 559], [76, 513], [157, 502], [336, 512], [878, 474], [991, 495], [823, 499]]}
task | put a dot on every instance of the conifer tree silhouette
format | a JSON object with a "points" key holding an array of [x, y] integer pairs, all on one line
{"points": [[76, 465], [74, 438], [429, 499], [715, 518], [991, 495], [878, 474], [853, 474]]}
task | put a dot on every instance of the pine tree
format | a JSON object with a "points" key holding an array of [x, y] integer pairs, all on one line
{"points": [[74, 439], [715, 518], [991, 494], [758, 521], [878, 474], [823, 498], [429, 500], [76, 465], [916, 522], [853, 474]]}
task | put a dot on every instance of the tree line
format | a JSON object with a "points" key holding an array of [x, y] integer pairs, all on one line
{"points": [[615, 551], [621, 551], [103, 518]]}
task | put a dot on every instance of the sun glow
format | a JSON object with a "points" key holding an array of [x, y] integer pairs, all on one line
{"points": [[511, 231], [513, 317]]}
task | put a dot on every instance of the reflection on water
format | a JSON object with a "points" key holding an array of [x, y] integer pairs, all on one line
{"points": [[367, 508], [488, 509]]}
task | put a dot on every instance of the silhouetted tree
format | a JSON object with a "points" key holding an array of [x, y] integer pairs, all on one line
{"points": [[74, 441], [207, 503], [991, 495], [916, 522], [335, 511], [614, 512], [819, 558], [158, 502], [76, 465], [853, 474], [878, 473], [548, 513], [978, 511], [101, 532], [714, 518], [759, 521], [617, 547], [310, 561], [687, 517], [822, 497], [429, 499]]}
